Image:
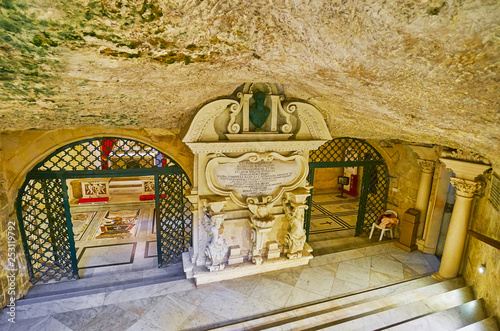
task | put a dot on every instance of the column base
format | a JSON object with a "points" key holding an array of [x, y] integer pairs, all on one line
{"points": [[409, 249], [421, 244], [441, 278]]}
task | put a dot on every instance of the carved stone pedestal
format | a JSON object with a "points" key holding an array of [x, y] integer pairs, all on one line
{"points": [[273, 251], [235, 256], [203, 276]]}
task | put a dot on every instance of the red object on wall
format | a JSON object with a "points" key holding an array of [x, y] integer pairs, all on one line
{"points": [[150, 196], [353, 185], [90, 200], [106, 148], [147, 197]]}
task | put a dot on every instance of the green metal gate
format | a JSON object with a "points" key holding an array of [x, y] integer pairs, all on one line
{"points": [[350, 152], [46, 234], [174, 218], [43, 207]]}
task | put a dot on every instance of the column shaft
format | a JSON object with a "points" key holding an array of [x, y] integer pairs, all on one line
{"points": [[457, 231], [424, 191], [455, 239]]}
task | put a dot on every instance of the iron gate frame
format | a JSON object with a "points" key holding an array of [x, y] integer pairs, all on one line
{"points": [[368, 166], [62, 175]]}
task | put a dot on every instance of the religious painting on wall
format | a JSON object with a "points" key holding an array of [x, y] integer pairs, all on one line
{"points": [[118, 224]]}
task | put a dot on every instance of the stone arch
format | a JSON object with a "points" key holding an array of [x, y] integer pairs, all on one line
{"points": [[47, 142], [375, 179], [43, 211]]}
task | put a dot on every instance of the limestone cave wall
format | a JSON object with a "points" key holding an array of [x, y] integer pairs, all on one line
{"points": [[404, 175], [420, 71], [15, 282], [486, 221]]}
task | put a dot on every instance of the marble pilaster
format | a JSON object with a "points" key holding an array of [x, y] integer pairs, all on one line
{"points": [[424, 191]]}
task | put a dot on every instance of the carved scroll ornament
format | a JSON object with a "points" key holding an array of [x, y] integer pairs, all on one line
{"points": [[465, 155]]}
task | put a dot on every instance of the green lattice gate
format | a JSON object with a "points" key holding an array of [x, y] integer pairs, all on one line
{"points": [[174, 218], [350, 152], [43, 206], [46, 232]]}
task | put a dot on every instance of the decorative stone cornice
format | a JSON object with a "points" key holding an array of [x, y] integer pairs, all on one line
{"points": [[205, 116], [466, 188], [262, 146], [425, 152], [464, 155], [426, 166], [225, 120], [464, 169]]}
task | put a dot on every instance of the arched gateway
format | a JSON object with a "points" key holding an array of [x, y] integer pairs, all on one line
{"points": [[351, 154], [43, 205]]}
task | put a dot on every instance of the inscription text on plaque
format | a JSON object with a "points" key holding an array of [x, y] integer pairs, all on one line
{"points": [[251, 179]]}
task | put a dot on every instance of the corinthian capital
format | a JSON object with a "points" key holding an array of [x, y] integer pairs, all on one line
{"points": [[426, 166], [466, 188]]}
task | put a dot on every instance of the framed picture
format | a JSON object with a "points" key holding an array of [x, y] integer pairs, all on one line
{"points": [[343, 180]]}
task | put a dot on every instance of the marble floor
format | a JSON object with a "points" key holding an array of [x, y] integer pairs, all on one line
{"points": [[98, 255], [333, 223], [331, 213], [180, 305]]}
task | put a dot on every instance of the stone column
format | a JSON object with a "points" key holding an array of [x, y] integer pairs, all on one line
{"points": [[466, 183], [455, 239], [424, 191]]}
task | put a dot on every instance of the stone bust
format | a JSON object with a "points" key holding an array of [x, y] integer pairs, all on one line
{"points": [[258, 112]]}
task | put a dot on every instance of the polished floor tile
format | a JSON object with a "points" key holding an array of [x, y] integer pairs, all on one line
{"points": [[223, 302], [353, 274], [300, 296], [169, 313], [273, 292], [181, 305]]}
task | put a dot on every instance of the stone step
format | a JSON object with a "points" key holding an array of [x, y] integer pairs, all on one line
{"points": [[449, 319], [110, 295], [104, 283], [366, 312], [324, 247], [307, 315], [488, 324], [407, 308]]}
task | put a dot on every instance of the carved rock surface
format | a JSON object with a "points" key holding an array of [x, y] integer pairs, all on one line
{"points": [[419, 71]]}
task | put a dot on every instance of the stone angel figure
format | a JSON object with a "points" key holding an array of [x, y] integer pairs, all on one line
{"points": [[217, 248], [296, 236]]}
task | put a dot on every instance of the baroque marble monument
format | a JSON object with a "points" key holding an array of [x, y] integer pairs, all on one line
{"points": [[250, 183]]}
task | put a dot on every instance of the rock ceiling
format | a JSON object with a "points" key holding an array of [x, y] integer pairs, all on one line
{"points": [[413, 70]]}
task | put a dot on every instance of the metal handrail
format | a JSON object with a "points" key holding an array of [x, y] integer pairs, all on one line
{"points": [[487, 240]]}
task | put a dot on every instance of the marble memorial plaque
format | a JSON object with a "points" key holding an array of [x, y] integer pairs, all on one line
{"points": [[255, 175], [252, 179]]}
